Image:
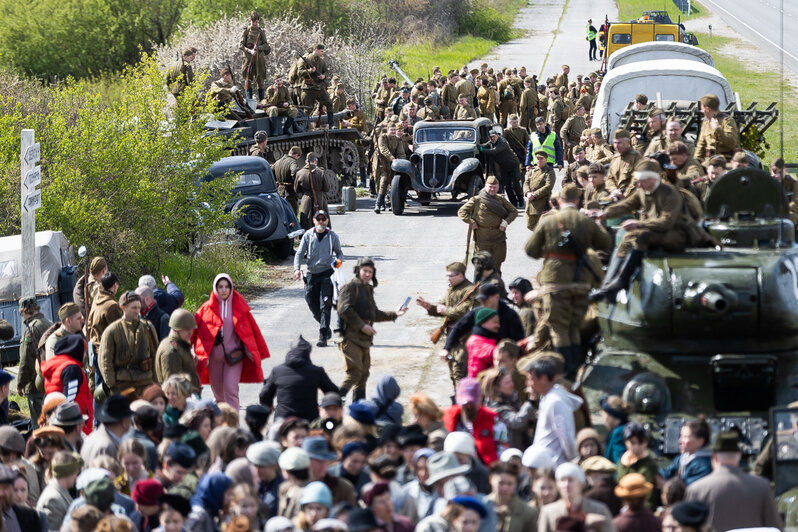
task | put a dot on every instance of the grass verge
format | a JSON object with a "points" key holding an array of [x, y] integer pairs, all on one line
{"points": [[633, 9], [417, 60]]}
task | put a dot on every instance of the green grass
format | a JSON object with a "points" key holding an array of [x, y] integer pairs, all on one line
{"points": [[758, 85], [417, 60], [633, 9]]}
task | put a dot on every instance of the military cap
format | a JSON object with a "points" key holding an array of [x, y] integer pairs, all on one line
{"points": [[487, 290], [28, 304], [182, 320], [727, 442], [226, 72], [11, 439], [404, 89], [492, 180], [656, 112], [570, 193], [295, 150], [579, 76], [596, 132], [622, 134], [710, 100], [260, 136], [598, 464], [129, 297], [718, 160], [254, 15], [512, 117], [565, 66], [583, 170], [483, 65], [456, 267], [474, 71], [97, 265], [310, 156], [190, 50], [67, 310], [592, 75], [647, 169], [576, 149], [351, 101], [394, 119], [542, 153], [573, 83]]}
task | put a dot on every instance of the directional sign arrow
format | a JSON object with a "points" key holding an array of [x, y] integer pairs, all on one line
{"points": [[33, 201], [33, 153], [33, 177]]}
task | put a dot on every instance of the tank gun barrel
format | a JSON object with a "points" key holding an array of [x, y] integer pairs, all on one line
{"points": [[714, 299], [337, 116], [395, 65]]}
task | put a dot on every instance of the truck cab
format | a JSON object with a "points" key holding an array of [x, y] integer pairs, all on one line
{"points": [[622, 34]]}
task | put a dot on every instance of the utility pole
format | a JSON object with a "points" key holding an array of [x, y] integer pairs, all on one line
{"points": [[30, 200]]}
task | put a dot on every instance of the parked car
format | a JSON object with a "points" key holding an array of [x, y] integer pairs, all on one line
{"points": [[445, 158], [266, 218]]}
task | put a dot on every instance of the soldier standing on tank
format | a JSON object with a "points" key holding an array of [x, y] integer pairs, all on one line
{"points": [[255, 49], [359, 312], [285, 169], [454, 306], [719, 134], [389, 148], [180, 75], [34, 324], [259, 148], [620, 180], [312, 70], [278, 103], [537, 189], [489, 213], [565, 279]]}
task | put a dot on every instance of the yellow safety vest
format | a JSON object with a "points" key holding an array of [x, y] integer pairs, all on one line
{"points": [[547, 146]]}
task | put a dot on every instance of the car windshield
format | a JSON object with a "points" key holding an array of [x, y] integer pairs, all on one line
{"points": [[440, 134]]}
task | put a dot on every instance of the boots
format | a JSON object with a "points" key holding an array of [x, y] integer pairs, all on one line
{"points": [[289, 123], [372, 187], [380, 203], [322, 339], [358, 394], [569, 354], [363, 177], [261, 95], [618, 276], [249, 93], [330, 120]]}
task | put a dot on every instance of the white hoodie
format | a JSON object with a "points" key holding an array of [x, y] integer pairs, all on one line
{"points": [[555, 427]]}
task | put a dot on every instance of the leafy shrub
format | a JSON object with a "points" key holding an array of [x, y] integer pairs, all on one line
{"points": [[485, 21]]}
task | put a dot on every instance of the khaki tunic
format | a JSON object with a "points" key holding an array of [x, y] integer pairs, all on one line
{"points": [[313, 189], [540, 183], [449, 97], [220, 91], [389, 148], [464, 112], [179, 76], [173, 357], [466, 87], [486, 101], [456, 308], [571, 133], [32, 330], [594, 196], [690, 171], [620, 174], [257, 73], [518, 139], [600, 152], [104, 311], [488, 236], [127, 353], [723, 141], [308, 81], [285, 172], [658, 142], [275, 99], [570, 172], [557, 114], [528, 106], [561, 80]]}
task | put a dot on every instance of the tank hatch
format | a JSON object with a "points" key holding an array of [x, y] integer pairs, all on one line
{"points": [[747, 193]]}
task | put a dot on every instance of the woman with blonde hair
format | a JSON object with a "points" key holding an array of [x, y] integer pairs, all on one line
{"points": [[133, 458], [177, 389], [428, 416]]}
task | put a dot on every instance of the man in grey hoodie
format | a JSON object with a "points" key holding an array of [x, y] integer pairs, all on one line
{"points": [[322, 249]]}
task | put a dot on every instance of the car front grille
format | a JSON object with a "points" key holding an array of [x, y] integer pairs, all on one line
{"points": [[435, 168]]}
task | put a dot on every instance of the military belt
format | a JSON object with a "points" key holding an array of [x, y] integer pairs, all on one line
{"points": [[559, 255]]}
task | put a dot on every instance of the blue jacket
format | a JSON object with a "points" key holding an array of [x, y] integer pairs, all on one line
{"points": [[170, 300], [698, 468], [615, 444]]}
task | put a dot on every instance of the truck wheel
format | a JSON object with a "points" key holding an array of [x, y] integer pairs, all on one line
{"points": [[397, 196], [475, 184], [256, 219], [282, 248]]}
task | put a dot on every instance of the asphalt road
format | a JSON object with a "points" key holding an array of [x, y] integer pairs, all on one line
{"points": [[759, 21]]}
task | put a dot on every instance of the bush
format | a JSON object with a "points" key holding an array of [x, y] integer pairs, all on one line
{"points": [[487, 22]]}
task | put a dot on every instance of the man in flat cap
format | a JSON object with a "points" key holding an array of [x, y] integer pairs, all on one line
{"points": [[538, 185], [254, 48], [82, 294], [489, 213], [620, 181], [285, 169], [566, 278], [459, 299], [718, 135], [34, 325], [180, 75]]}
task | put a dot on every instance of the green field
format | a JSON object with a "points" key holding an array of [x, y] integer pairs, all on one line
{"points": [[632, 9], [418, 60]]}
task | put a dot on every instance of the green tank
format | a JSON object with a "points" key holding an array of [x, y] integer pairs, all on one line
{"points": [[709, 331]]}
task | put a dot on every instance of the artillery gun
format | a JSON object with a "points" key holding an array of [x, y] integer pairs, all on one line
{"points": [[710, 330], [336, 148]]}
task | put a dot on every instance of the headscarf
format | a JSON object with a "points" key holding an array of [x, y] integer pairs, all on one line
{"points": [[210, 492], [225, 306]]}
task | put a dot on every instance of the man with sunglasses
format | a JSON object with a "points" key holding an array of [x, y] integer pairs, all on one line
{"points": [[322, 249]]}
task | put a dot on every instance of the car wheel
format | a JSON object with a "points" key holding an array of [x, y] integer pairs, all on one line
{"points": [[475, 184], [282, 248], [256, 219], [397, 196]]}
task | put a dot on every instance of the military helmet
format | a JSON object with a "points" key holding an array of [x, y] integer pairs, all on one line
{"points": [[521, 284], [484, 259], [182, 320]]}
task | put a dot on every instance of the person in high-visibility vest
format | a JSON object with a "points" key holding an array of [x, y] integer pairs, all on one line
{"points": [[591, 38]]}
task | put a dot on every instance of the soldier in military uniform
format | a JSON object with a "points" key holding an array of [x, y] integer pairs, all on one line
{"points": [[571, 130], [389, 148], [278, 103], [719, 134], [285, 169], [429, 111], [557, 110], [687, 169], [381, 100], [657, 136], [715, 169], [459, 299], [464, 111], [506, 166], [485, 98], [489, 213], [359, 312], [449, 95], [517, 138], [259, 148], [34, 324], [312, 186], [528, 104], [663, 224], [465, 87], [507, 97], [174, 352], [485, 271], [596, 191], [97, 268], [255, 49], [222, 94], [620, 181], [562, 77], [312, 71], [579, 161], [674, 129], [565, 279], [537, 189], [180, 75], [598, 151], [339, 99], [356, 119]]}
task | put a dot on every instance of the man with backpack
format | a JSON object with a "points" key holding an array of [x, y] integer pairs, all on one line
{"points": [[35, 324]]}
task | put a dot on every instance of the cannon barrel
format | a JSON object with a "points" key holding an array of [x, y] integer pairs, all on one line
{"points": [[715, 302], [337, 116], [395, 65]]}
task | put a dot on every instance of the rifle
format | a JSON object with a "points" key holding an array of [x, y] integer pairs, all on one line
{"points": [[436, 334], [240, 98], [569, 243], [315, 75], [468, 244], [252, 60]]}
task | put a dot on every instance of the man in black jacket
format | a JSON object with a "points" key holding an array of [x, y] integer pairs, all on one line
{"points": [[15, 517], [294, 383], [506, 166], [489, 296]]}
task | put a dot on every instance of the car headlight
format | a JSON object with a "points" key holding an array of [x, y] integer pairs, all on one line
{"points": [[454, 160], [415, 158]]}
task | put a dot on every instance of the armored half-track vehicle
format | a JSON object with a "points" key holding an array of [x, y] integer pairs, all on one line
{"points": [[711, 330], [445, 159], [336, 148]]}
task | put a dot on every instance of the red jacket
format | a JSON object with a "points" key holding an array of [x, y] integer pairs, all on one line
{"points": [[480, 354], [483, 430], [209, 321], [53, 372]]}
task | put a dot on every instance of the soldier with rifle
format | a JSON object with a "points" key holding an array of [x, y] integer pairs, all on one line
{"points": [[312, 73], [34, 326], [278, 103], [562, 240], [459, 299], [255, 49], [180, 75], [223, 94]]}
